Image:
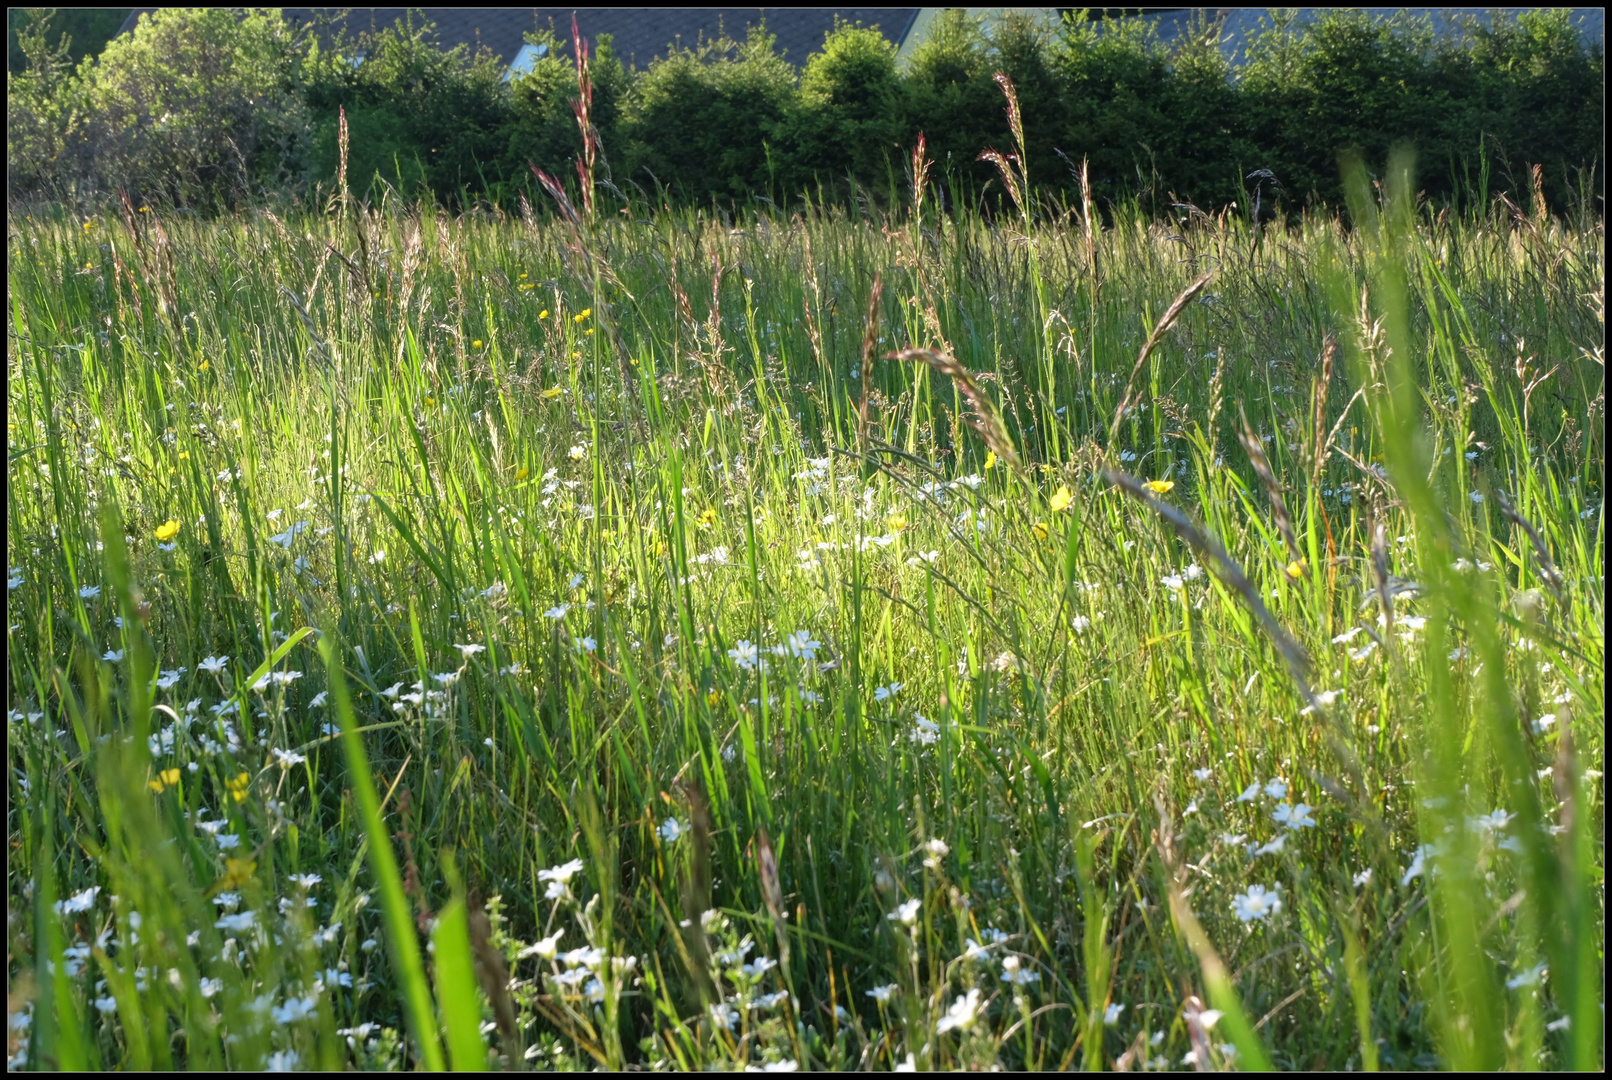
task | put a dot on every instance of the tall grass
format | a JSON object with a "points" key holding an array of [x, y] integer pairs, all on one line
{"points": [[712, 688]]}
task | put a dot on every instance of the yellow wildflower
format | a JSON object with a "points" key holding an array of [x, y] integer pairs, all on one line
{"points": [[1039, 530], [543, 314], [582, 315], [712, 698], [203, 366], [167, 530], [990, 460], [476, 344], [1160, 487], [1296, 568], [898, 521], [707, 518], [1061, 498], [522, 473], [552, 392]]}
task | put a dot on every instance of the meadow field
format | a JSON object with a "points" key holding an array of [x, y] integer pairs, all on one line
{"points": [[872, 638]]}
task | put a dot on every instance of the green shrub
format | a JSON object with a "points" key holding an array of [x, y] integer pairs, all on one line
{"points": [[953, 100], [196, 105], [851, 114], [418, 115], [704, 121]]}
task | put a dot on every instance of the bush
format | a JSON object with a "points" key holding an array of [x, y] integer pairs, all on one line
{"points": [[419, 117], [201, 106], [194, 107], [953, 100], [704, 121], [543, 130], [851, 116]]}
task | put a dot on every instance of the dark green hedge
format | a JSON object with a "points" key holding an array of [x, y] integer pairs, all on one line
{"points": [[730, 121]]}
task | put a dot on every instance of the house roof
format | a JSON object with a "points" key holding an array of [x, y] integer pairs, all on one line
{"points": [[639, 34]]}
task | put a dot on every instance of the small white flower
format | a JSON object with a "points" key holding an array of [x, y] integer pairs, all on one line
{"points": [[1526, 978], [306, 881], [1475, 497], [1080, 624], [562, 873], [586, 644], [89, 592], [287, 758], [282, 1061], [557, 612], [1294, 817], [1276, 788], [1111, 1015], [886, 693], [78, 902], [1013, 972], [1250, 793], [1203, 774], [319, 699], [114, 655], [576, 453], [671, 829], [906, 913], [467, 651], [1173, 581], [1257, 903], [1363, 878], [1560, 1025], [883, 994], [744, 655], [214, 665], [1417, 866], [547, 948], [1347, 636], [1273, 848], [244, 920], [961, 1016]]}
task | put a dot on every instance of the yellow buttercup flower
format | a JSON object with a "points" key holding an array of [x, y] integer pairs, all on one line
{"points": [[166, 779], [522, 473], [990, 460], [582, 315], [1039, 530], [898, 521], [543, 314], [238, 786], [712, 698], [707, 518], [1296, 568], [203, 366], [1160, 487], [553, 392], [476, 344], [1061, 499], [167, 530]]}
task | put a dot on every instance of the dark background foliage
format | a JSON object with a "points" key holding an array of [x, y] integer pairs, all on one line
{"points": [[729, 121]]}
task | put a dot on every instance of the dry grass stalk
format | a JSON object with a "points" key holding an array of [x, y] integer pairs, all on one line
{"points": [[985, 419], [1318, 448], [1273, 489], [1159, 330], [1547, 565], [870, 341]]}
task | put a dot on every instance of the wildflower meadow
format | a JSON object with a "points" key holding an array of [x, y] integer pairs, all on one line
{"points": [[906, 637]]}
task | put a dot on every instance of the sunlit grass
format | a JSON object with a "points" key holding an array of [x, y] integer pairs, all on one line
{"points": [[559, 640]]}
